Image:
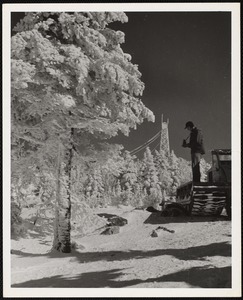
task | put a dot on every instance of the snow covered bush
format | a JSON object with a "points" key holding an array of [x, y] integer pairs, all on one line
{"points": [[17, 227], [84, 220]]}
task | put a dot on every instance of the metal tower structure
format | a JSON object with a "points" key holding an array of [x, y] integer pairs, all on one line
{"points": [[164, 140]]}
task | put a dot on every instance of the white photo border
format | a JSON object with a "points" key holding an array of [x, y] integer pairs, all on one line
{"points": [[235, 291]]}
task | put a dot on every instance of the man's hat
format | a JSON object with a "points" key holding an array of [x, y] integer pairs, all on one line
{"points": [[189, 124]]}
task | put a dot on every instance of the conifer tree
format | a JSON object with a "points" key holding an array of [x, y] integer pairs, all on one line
{"points": [[112, 166], [129, 177], [70, 79], [118, 188], [150, 177], [185, 170], [129, 172], [163, 166], [174, 170], [95, 188], [204, 168]]}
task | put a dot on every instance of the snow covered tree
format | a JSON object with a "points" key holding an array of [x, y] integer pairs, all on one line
{"points": [[129, 172], [150, 178], [128, 177], [174, 169], [17, 228], [204, 167], [95, 188], [185, 170], [70, 80], [163, 166], [112, 166]]}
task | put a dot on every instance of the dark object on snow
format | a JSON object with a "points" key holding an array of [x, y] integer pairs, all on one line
{"points": [[211, 197], [174, 210], [117, 221], [156, 232], [114, 220], [152, 209], [165, 229], [111, 230]]}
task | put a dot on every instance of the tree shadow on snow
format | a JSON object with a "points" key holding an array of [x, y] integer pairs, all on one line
{"points": [[191, 253], [198, 277], [156, 218], [202, 277], [88, 280]]}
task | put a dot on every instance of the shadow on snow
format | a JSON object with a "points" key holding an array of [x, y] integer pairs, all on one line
{"points": [[156, 218], [198, 277], [202, 277], [191, 253]]}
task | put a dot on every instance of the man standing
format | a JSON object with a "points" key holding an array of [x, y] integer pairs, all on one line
{"points": [[197, 149]]}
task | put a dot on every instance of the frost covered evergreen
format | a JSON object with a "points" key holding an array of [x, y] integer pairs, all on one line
{"points": [[204, 168], [94, 189], [70, 80], [129, 178], [150, 179], [163, 166], [184, 170], [174, 169]]}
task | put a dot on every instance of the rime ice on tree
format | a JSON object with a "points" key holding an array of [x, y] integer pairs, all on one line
{"points": [[69, 79]]}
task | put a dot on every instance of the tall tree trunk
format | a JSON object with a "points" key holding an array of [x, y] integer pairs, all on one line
{"points": [[62, 229]]}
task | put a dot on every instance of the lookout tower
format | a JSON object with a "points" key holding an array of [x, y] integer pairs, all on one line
{"points": [[164, 140]]}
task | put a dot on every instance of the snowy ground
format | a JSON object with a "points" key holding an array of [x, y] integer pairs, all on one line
{"points": [[196, 255]]}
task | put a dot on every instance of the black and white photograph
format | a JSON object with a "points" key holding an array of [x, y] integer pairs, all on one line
{"points": [[122, 150]]}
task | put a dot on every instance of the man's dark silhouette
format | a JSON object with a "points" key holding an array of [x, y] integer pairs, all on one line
{"points": [[197, 149]]}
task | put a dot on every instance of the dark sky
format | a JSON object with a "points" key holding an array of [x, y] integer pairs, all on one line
{"points": [[185, 61]]}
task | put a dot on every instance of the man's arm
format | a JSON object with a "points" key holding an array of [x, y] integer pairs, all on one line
{"points": [[185, 144]]}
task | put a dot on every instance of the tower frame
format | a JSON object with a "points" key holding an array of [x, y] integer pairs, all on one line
{"points": [[164, 140]]}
